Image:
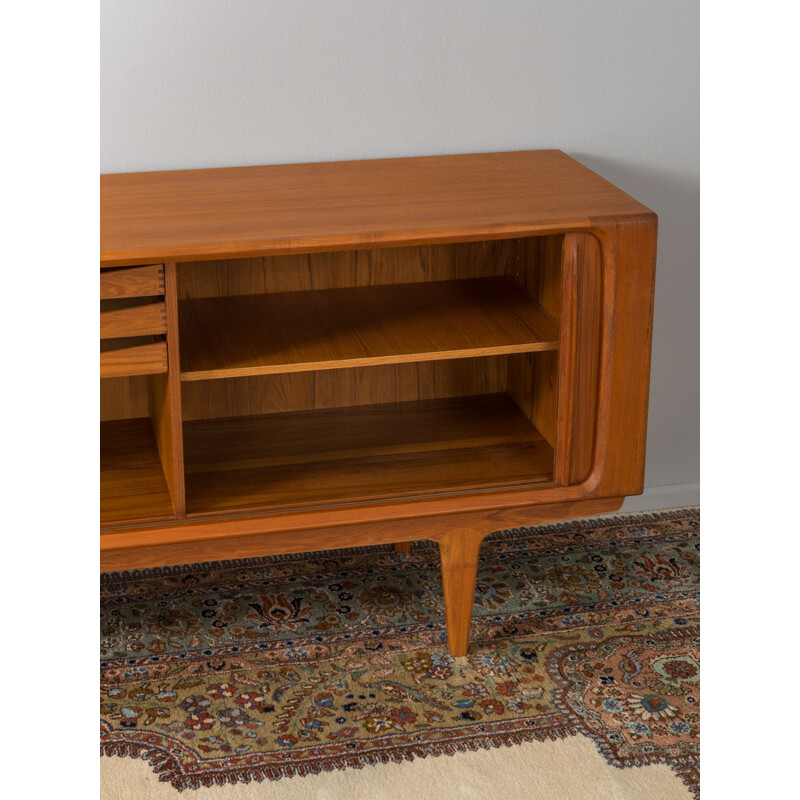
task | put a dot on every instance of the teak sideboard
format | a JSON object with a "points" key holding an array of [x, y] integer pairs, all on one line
{"points": [[316, 356]]}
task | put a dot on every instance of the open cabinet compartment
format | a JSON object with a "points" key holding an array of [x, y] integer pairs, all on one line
{"points": [[332, 443], [335, 378], [141, 455], [363, 375], [133, 483], [133, 322]]}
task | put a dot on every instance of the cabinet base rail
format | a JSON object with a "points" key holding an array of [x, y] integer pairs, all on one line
{"points": [[459, 537]]}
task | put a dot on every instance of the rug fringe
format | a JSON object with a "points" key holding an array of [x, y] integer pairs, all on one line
{"points": [[167, 764]]}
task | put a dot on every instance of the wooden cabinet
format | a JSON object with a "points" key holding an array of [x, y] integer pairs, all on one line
{"points": [[316, 356]]}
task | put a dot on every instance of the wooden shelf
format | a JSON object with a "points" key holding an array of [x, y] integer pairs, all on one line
{"points": [[349, 454], [224, 337], [132, 484]]}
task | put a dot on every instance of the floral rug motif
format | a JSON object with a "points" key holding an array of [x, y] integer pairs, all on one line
{"points": [[271, 667]]}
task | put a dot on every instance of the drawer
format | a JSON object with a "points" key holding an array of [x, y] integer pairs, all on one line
{"points": [[136, 359], [120, 318], [132, 282]]}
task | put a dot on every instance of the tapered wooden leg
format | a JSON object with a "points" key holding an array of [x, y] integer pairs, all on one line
{"points": [[459, 553], [403, 547]]}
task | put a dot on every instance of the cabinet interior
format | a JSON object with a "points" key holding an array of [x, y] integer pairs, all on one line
{"points": [[351, 376]]}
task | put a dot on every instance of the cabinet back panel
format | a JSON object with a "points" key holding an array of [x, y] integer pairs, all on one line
{"points": [[349, 268], [124, 398], [391, 383]]}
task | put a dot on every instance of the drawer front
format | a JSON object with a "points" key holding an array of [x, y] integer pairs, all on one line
{"points": [[132, 282], [145, 359], [140, 320]]}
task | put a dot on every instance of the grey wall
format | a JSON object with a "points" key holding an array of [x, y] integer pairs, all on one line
{"points": [[614, 83]]}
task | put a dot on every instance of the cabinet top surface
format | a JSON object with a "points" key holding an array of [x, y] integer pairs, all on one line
{"points": [[187, 215]]}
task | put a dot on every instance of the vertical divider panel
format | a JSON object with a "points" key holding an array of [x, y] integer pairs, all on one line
{"points": [[165, 402], [579, 357]]}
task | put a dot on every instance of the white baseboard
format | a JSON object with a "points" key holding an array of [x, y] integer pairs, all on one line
{"points": [[682, 494]]}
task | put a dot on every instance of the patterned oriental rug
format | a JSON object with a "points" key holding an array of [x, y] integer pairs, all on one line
{"points": [[286, 666]]}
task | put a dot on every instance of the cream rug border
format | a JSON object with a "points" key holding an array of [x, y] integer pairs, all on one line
{"points": [[562, 769]]}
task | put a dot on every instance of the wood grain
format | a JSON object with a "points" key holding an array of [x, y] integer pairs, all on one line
{"points": [[629, 261], [543, 263], [133, 320], [459, 550], [520, 374], [579, 357], [245, 537], [360, 386], [124, 398], [335, 328], [346, 455], [533, 379], [192, 215], [165, 402], [138, 359], [132, 485], [348, 268], [133, 282]]}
